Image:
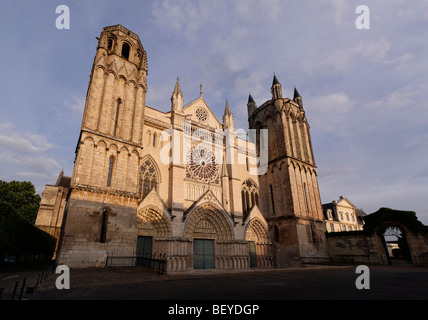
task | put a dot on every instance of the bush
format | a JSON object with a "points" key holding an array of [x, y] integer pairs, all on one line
{"points": [[20, 237]]}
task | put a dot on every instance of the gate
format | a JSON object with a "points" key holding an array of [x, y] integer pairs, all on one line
{"points": [[203, 254], [252, 253], [144, 250]]}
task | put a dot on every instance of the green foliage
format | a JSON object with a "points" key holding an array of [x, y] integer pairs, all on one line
{"points": [[22, 197], [385, 217], [20, 237]]}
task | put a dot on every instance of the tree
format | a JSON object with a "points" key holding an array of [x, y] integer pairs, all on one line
{"points": [[22, 196]]}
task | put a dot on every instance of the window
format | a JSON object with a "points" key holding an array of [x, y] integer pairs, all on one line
{"points": [[110, 171], [110, 44], [125, 50], [103, 232], [249, 195], [331, 227], [273, 202], [119, 101], [149, 179], [244, 203], [154, 139]]}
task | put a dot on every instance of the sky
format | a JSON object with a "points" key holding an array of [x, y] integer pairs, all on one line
{"points": [[365, 91]]}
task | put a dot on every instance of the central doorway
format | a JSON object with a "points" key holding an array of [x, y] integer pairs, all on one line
{"points": [[203, 254]]}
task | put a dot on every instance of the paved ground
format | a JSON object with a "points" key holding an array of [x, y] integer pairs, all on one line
{"points": [[386, 282]]}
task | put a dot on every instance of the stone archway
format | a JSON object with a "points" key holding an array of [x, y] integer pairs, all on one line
{"points": [[395, 242], [151, 223], [414, 235], [211, 232], [260, 246]]}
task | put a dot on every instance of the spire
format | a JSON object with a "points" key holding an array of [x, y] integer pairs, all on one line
{"points": [[275, 80], [227, 109], [228, 117], [250, 99], [276, 88], [298, 98], [251, 105], [296, 94], [201, 90], [177, 89], [177, 97]]}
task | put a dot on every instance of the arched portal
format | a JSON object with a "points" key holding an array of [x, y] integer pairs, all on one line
{"points": [[210, 230], [153, 227], [395, 243], [404, 225], [259, 245]]}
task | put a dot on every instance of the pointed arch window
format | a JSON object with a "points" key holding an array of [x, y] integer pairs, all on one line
{"points": [[249, 196], [149, 178]]}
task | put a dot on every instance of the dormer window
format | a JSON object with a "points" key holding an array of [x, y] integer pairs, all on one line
{"points": [[125, 50]]}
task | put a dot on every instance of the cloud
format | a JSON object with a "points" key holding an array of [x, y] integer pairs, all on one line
{"points": [[24, 156], [15, 142], [76, 104]]}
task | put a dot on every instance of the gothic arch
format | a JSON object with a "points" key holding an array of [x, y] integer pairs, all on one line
{"points": [[208, 221], [151, 221], [149, 176], [249, 195], [256, 231]]}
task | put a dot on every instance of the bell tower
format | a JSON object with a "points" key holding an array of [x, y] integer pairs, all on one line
{"points": [[290, 198], [117, 87]]}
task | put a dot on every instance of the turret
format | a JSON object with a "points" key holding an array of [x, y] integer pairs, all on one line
{"points": [[177, 98], [276, 89], [297, 98], [228, 118]]}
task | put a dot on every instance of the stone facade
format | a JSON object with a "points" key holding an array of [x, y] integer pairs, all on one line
{"points": [[181, 185], [342, 215], [52, 207]]}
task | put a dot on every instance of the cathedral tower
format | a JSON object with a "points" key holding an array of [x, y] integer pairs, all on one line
{"points": [[117, 87], [290, 198], [106, 184]]}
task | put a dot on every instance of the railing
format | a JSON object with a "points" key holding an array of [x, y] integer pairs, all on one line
{"points": [[147, 263]]}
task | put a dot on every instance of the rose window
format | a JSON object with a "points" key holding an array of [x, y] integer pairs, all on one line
{"points": [[202, 115], [201, 166]]}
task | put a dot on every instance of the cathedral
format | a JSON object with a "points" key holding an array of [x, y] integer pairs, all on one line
{"points": [[183, 186]]}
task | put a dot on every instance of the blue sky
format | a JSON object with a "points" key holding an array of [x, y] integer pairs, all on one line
{"points": [[364, 91]]}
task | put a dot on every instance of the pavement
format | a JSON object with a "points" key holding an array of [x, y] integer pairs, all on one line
{"points": [[403, 282]]}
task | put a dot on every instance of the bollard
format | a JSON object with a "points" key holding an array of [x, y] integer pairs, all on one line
{"points": [[37, 282], [14, 290], [22, 289]]}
